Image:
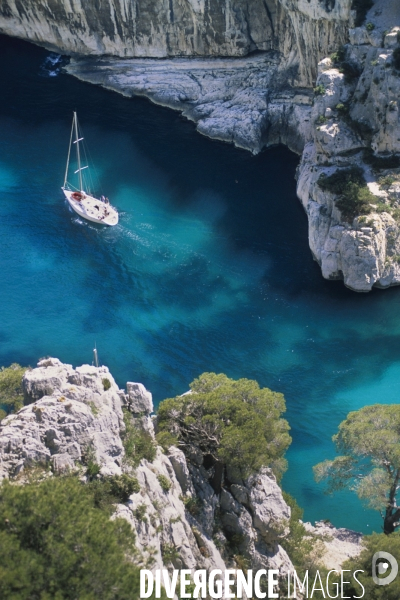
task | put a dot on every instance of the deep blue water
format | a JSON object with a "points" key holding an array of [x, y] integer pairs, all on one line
{"points": [[208, 270]]}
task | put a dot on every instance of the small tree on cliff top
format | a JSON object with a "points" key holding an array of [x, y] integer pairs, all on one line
{"points": [[369, 443], [235, 423], [11, 395]]}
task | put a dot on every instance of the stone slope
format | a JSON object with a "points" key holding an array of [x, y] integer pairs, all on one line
{"points": [[352, 118], [339, 544], [178, 518]]}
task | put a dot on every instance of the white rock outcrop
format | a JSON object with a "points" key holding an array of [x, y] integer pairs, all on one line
{"points": [[363, 116], [71, 415], [338, 544]]}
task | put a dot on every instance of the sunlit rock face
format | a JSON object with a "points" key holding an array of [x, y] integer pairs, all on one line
{"points": [[302, 31], [73, 413]]}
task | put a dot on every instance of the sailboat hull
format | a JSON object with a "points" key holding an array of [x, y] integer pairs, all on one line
{"points": [[92, 209]]}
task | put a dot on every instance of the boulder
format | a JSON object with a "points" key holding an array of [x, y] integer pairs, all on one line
{"points": [[139, 400]]}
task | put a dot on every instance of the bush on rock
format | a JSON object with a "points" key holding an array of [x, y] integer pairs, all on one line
{"points": [[11, 396], [55, 543], [235, 423]]}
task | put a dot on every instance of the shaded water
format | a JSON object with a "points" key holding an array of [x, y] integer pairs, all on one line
{"points": [[209, 268]]}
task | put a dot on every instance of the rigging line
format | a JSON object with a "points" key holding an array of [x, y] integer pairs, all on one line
{"points": [[69, 153], [96, 179], [87, 176], [77, 151]]}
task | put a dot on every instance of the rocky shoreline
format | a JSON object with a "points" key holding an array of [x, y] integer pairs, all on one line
{"points": [[178, 518], [235, 100]]}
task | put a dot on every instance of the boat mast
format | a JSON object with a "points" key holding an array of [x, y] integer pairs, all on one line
{"points": [[95, 357], [77, 151], [69, 154]]}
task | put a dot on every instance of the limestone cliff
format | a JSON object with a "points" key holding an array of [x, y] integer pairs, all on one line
{"points": [[302, 31], [178, 518], [356, 123]]}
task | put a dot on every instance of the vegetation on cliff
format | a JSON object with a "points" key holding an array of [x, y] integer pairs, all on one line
{"points": [[11, 396], [354, 197], [234, 423], [137, 443], [369, 463], [372, 544], [55, 543]]}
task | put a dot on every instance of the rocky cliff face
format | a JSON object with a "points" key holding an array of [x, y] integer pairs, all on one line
{"points": [[178, 518], [356, 116], [302, 31]]}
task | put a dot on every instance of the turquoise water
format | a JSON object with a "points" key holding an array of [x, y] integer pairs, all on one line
{"points": [[209, 268]]}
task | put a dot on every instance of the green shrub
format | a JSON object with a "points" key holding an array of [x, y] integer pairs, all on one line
{"points": [[299, 544], [235, 423], [321, 120], [361, 7], [55, 543], [349, 184], [372, 544], [337, 182], [123, 486], [11, 396], [193, 505], [339, 56], [169, 553], [89, 460], [137, 443], [396, 58], [106, 384], [370, 27], [93, 408], [342, 108], [109, 491], [165, 439], [319, 90], [93, 469], [164, 482], [140, 513]]}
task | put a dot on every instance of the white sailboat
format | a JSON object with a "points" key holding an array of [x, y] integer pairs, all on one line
{"points": [[80, 198]]}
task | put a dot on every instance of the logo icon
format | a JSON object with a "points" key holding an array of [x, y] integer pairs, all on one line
{"points": [[382, 562]]}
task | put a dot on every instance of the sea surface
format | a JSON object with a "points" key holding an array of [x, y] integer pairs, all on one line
{"points": [[208, 270]]}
